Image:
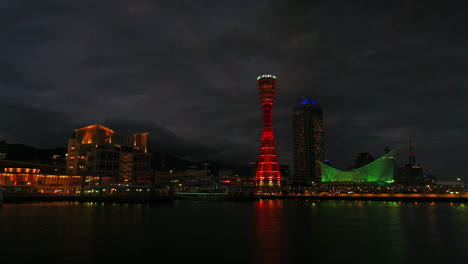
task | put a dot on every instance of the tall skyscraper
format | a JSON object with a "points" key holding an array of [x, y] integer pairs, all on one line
{"points": [[308, 141], [268, 171]]}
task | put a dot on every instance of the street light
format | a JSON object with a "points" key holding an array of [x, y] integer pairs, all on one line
{"points": [[460, 187]]}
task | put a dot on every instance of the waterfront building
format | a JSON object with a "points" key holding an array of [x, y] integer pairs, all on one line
{"points": [[380, 171], [97, 150], [58, 169], [225, 173], [179, 179], [412, 172], [34, 180], [3, 149], [308, 142], [268, 171]]}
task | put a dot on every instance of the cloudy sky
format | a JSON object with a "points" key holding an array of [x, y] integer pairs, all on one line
{"points": [[384, 72]]}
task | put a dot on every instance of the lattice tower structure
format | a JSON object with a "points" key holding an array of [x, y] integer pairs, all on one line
{"points": [[268, 171]]}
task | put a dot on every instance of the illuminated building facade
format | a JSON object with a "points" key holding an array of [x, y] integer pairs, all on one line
{"points": [[379, 171], [308, 141], [268, 171], [44, 168], [99, 151], [33, 180]]}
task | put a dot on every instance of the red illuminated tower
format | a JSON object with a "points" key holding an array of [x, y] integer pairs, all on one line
{"points": [[268, 173]]}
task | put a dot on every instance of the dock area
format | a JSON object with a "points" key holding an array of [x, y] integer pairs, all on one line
{"points": [[429, 197], [169, 198], [113, 194]]}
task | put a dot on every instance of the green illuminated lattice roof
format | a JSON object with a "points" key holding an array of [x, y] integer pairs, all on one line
{"points": [[380, 170]]}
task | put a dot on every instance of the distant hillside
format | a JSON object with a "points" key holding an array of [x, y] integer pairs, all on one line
{"points": [[21, 152], [160, 161], [166, 161]]}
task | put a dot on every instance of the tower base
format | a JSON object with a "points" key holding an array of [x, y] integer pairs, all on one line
{"points": [[269, 186]]}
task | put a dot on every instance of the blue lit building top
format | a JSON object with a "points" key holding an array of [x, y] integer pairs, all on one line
{"points": [[305, 100]]}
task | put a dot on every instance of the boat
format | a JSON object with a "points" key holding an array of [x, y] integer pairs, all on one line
{"points": [[212, 195], [203, 189], [223, 194]]}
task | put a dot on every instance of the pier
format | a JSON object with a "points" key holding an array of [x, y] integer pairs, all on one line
{"points": [[164, 196], [113, 194], [429, 197]]}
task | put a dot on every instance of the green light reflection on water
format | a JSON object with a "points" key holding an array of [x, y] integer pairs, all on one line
{"points": [[393, 204]]}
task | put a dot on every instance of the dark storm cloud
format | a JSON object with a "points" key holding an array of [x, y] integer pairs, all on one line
{"points": [[39, 127], [383, 71], [383, 74], [163, 140], [35, 126]]}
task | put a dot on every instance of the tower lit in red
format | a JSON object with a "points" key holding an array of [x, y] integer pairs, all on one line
{"points": [[268, 173]]}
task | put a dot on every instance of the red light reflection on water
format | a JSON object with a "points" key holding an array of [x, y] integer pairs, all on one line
{"points": [[269, 242]]}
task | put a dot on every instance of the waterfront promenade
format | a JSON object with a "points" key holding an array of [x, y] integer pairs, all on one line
{"points": [[427, 197], [144, 198]]}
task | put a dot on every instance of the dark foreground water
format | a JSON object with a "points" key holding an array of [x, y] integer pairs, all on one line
{"points": [[268, 231]]}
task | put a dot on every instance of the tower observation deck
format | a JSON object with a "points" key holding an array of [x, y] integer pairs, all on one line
{"points": [[268, 173]]}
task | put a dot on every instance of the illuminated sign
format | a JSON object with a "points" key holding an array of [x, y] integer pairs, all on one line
{"points": [[264, 76]]}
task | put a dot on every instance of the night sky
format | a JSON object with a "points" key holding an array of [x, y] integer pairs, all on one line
{"points": [[384, 72]]}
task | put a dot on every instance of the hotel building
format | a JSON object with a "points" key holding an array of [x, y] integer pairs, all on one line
{"points": [[98, 151], [308, 141]]}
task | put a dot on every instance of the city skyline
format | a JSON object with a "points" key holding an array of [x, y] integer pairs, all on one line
{"points": [[383, 74]]}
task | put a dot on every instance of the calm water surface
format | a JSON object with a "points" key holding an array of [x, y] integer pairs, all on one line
{"points": [[267, 231]]}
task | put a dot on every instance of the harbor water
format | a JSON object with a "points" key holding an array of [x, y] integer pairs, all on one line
{"points": [[261, 232]]}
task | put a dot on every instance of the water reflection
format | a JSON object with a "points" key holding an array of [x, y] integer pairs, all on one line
{"points": [[267, 231], [434, 230], [269, 240], [395, 236]]}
